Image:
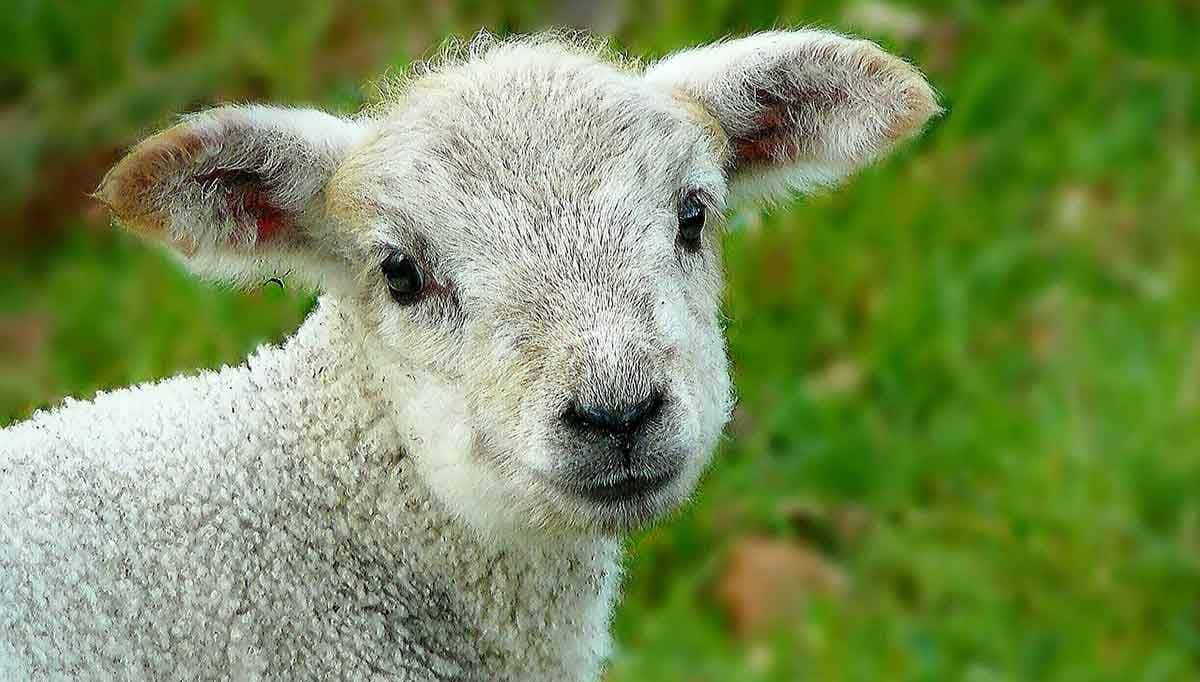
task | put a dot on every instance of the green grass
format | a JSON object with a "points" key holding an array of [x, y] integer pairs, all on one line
{"points": [[988, 346]]}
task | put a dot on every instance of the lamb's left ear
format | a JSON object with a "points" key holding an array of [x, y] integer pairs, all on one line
{"points": [[237, 190], [799, 109]]}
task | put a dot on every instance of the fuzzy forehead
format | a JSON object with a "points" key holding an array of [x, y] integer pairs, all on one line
{"points": [[540, 137]]}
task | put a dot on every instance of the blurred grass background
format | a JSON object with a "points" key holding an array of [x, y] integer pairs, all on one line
{"points": [[968, 444]]}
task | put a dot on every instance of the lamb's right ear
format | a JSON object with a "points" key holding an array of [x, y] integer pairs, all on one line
{"points": [[237, 190], [798, 109]]}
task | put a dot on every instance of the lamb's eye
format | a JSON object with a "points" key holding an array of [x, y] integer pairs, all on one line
{"points": [[405, 280], [691, 221]]}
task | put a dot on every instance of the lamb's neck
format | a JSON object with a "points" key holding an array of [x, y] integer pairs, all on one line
{"points": [[558, 588]]}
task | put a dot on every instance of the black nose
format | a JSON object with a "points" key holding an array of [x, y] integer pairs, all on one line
{"points": [[624, 420]]}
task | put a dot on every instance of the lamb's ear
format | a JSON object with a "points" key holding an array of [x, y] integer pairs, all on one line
{"points": [[237, 190], [799, 109]]}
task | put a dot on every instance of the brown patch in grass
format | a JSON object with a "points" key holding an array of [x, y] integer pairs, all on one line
{"points": [[767, 579]]}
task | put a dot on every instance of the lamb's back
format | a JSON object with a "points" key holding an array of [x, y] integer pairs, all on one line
{"points": [[120, 529]]}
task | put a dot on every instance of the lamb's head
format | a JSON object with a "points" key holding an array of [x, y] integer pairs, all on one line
{"points": [[531, 236]]}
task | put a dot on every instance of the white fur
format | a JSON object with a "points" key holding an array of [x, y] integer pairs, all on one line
{"points": [[404, 489]]}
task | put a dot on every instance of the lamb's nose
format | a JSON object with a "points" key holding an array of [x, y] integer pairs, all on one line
{"points": [[626, 419]]}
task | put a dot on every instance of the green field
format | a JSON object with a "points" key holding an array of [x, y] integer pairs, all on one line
{"points": [[968, 435]]}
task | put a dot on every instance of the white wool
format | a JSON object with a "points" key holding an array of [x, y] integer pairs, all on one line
{"points": [[252, 523]]}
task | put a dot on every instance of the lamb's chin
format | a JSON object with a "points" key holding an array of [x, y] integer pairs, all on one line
{"points": [[617, 511], [629, 518]]}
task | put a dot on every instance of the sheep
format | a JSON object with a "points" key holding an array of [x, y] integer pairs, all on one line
{"points": [[517, 359]]}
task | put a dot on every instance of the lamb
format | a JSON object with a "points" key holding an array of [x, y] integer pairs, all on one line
{"points": [[517, 360]]}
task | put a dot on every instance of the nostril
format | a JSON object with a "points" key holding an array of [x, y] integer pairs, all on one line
{"points": [[623, 420], [640, 412]]}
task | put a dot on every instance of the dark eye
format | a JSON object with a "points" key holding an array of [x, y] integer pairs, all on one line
{"points": [[404, 278], [691, 221]]}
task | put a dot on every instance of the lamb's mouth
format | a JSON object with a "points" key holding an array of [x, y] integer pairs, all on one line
{"points": [[629, 487]]}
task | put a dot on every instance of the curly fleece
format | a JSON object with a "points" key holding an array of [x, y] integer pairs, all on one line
{"points": [[252, 523]]}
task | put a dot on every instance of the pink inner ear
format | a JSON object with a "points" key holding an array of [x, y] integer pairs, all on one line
{"points": [[772, 140], [268, 219], [246, 200], [786, 127], [269, 225]]}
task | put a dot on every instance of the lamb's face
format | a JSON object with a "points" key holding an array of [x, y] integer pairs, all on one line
{"points": [[564, 219], [531, 241]]}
